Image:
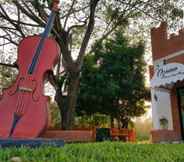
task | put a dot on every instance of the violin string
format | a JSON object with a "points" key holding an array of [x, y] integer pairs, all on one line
{"points": [[23, 103], [20, 105], [17, 104], [20, 101]]}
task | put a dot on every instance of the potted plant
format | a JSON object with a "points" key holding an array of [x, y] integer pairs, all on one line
{"points": [[164, 123]]}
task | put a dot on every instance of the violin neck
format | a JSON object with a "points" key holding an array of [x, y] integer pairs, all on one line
{"points": [[44, 35], [49, 25]]}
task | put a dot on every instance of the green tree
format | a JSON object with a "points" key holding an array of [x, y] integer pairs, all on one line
{"points": [[75, 25], [113, 80]]}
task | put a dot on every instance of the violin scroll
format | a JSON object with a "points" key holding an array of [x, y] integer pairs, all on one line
{"points": [[55, 5]]}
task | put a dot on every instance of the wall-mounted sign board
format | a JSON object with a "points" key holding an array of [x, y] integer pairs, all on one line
{"points": [[168, 74]]}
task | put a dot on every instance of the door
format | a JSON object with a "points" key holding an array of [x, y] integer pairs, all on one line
{"points": [[180, 94]]}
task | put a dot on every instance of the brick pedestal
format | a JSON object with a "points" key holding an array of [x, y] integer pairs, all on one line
{"points": [[164, 136]]}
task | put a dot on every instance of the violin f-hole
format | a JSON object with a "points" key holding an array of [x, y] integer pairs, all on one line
{"points": [[16, 119]]}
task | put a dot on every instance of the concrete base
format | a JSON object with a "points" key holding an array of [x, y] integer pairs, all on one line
{"points": [[31, 142]]}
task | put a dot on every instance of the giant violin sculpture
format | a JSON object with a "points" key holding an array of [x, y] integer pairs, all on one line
{"points": [[23, 107]]}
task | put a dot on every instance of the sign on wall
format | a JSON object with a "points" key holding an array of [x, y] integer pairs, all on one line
{"points": [[168, 74]]}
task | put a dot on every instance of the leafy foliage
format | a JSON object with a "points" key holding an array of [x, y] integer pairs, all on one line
{"points": [[7, 74], [143, 129], [54, 114], [95, 120], [112, 79]]}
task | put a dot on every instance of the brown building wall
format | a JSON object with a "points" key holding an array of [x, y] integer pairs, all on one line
{"points": [[164, 45], [178, 59], [175, 113]]}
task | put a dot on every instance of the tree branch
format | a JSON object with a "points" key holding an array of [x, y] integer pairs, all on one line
{"points": [[28, 8], [137, 5], [30, 15], [5, 16], [9, 65], [9, 39], [75, 11], [68, 14], [40, 11], [90, 27], [77, 26]]}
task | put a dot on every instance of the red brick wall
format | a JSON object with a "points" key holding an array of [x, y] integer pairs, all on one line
{"points": [[179, 59], [164, 135], [71, 135], [164, 44], [175, 113]]}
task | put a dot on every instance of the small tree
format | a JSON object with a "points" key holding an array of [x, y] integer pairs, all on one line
{"points": [[113, 80]]}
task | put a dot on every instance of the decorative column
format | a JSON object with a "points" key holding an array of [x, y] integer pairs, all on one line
{"points": [[161, 109]]}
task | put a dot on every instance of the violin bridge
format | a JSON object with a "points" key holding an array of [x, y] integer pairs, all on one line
{"points": [[25, 89]]}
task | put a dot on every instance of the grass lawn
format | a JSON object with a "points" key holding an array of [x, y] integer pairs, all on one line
{"points": [[98, 152]]}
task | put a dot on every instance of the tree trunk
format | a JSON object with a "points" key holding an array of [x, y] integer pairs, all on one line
{"points": [[67, 103], [73, 87], [112, 121], [124, 122], [119, 122], [60, 100], [67, 107]]}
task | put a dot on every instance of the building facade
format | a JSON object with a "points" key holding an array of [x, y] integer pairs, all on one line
{"points": [[167, 84]]}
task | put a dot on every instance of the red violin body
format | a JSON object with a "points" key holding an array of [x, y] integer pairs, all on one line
{"points": [[23, 107]]}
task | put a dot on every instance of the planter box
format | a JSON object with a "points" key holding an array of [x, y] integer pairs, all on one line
{"points": [[71, 135], [123, 133]]}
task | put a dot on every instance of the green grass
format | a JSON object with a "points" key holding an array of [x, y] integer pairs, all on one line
{"points": [[99, 152]]}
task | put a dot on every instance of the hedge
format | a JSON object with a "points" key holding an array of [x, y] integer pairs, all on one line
{"points": [[98, 152]]}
